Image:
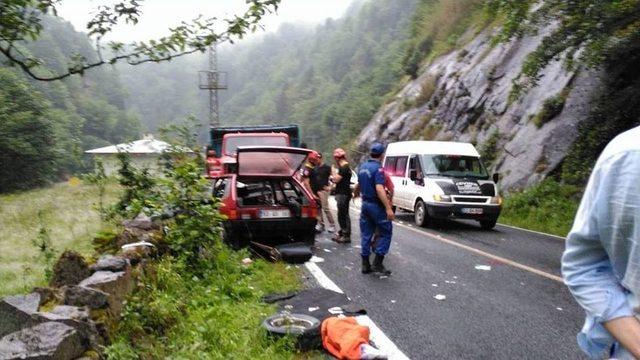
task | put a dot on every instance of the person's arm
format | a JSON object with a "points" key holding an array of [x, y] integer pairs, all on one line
{"points": [[627, 331], [609, 213], [382, 195]]}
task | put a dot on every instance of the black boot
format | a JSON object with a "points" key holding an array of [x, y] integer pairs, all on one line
{"points": [[378, 267], [366, 266]]}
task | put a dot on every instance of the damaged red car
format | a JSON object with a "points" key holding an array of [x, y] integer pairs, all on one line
{"points": [[263, 202]]}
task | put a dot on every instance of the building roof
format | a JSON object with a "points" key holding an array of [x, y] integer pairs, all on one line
{"points": [[148, 145], [432, 148]]}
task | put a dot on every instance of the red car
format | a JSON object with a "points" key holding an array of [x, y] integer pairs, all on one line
{"points": [[263, 201]]}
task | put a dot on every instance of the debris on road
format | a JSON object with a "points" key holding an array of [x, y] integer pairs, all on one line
{"points": [[327, 250], [434, 285], [440, 297], [316, 259], [559, 309], [393, 301], [483, 267], [313, 308]]}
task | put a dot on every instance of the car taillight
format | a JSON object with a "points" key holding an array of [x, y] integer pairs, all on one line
{"points": [[232, 215], [309, 212]]}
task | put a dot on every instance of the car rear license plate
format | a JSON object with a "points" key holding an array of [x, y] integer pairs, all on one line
{"points": [[472, 211], [275, 214]]}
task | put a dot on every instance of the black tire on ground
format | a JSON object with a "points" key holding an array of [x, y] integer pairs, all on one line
{"points": [[420, 214], [488, 224], [229, 238], [308, 335]]}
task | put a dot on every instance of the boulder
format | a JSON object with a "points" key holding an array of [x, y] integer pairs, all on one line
{"points": [[17, 312], [49, 340], [110, 263], [141, 222], [77, 318], [85, 296], [116, 284], [70, 269]]}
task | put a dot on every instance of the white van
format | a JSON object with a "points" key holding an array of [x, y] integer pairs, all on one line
{"points": [[442, 179]]}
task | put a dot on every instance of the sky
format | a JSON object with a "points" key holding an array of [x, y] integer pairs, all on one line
{"points": [[159, 15]]}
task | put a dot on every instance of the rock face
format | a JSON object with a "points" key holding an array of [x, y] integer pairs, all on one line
{"points": [[70, 269], [464, 96], [116, 284], [110, 263], [84, 296], [49, 340], [17, 312]]}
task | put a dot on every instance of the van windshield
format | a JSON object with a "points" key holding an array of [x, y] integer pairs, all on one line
{"points": [[454, 166]]}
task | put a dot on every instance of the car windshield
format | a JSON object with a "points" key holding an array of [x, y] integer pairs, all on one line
{"points": [[454, 166], [269, 163], [233, 142]]}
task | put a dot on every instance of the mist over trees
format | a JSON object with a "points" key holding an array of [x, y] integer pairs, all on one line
{"points": [[46, 126]]}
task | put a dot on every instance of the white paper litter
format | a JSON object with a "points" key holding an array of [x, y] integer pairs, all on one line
{"points": [[313, 308], [449, 282], [336, 310], [316, 259], [440, 297], [434, 285], [383, 277], [393, 301], [483, 267], [327, 250], [559, 309]]}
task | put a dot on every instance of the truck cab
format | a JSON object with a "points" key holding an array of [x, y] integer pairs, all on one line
{"points": [[222, 152]]}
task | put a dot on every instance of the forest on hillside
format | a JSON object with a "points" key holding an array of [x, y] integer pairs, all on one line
{"points": [[46, 126]]}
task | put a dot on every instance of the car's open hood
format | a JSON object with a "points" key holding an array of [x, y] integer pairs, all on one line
{"points": [[270, 161]]}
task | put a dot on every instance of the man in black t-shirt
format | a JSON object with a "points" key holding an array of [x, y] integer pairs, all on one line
{"points": [[343, 195], [320, 187]]}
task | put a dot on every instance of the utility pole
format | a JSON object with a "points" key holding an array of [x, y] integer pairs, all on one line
{"points": [[213, 80]]}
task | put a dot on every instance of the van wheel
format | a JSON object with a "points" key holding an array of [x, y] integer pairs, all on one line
{"points": [[488, 224], [420, 214]]}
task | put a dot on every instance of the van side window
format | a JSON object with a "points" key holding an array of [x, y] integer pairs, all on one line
{"points": [[401, 167], [390, 165], [415, 170]]}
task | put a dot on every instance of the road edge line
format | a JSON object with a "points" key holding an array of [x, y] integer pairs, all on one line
{"points": [[379, 338], [534, 231]]}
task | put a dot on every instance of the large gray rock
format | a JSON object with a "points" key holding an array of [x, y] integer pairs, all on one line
{"points": [[17, 312], [85, 296], [70, 269], [77, 318], [110, 263], [141, 222], [49, 340], [116, 284], [465, 96]]}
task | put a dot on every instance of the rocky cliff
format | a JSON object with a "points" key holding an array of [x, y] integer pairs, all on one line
{"points": [[465, 96]]}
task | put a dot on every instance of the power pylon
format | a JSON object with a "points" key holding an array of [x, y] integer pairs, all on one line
{"points": [[213, 80]]}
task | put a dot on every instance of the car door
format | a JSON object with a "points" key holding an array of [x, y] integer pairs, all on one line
{"points": [[401, 182], [415, 181]]}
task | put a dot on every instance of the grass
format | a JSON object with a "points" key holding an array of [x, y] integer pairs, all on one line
{"points": [[548, 207], [217, 316], [68, 211]]}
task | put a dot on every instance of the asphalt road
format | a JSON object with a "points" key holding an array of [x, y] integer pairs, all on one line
{"points": [[516, 310]]}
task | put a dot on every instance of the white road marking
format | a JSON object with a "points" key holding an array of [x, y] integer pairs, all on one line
{"points": [[533, 231], [481, 253], [375, 334]]}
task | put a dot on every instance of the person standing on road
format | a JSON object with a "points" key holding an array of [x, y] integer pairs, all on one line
{"points": [[343, 195], [601, 263], [307, 168], [320, 186], [376, 211]]}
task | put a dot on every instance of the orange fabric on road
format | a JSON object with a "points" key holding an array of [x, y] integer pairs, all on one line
{"points": [[342, 337]]}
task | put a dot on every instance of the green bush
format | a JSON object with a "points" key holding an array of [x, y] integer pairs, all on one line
{"points": [[548, 207], [551, 108]]}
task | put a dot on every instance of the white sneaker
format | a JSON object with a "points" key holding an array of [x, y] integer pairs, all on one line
{"points": [[331, 229]]}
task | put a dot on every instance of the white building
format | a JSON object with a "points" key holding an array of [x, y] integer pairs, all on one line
{"points": [[144, 153]]}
